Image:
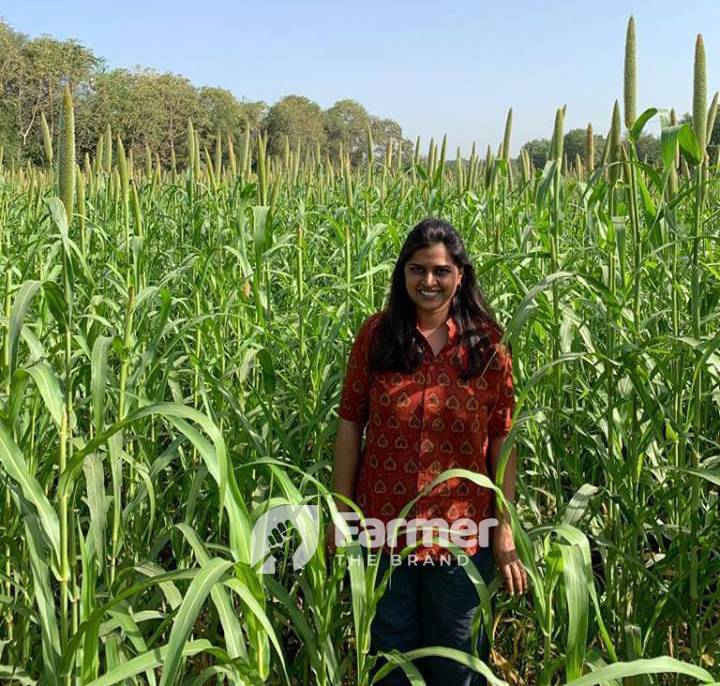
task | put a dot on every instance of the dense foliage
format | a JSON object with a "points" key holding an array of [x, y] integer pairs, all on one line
{"points": [[146, 107], [173, 345]]}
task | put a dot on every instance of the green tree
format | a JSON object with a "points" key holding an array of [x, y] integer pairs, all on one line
{"points": [[574, 143], [51, 64], [539, 150], [346, 125], [298, 118], [33, 73], [11, 66], [222, 112], [253, 112], [142, 107], [225, 113], [648, 147], [385, 130], [145, 107], [109, 102]]}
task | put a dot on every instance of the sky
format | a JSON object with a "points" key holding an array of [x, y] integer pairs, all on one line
{"points": [[436, 68]]}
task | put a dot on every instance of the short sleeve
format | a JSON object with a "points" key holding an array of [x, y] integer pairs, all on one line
{"points": [[500, 420], [355, 397]]}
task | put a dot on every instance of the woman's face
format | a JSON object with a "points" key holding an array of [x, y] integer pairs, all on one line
{"points": [[431, 278]]}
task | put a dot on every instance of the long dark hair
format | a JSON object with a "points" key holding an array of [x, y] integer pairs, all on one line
{"points": [[396, 344]]}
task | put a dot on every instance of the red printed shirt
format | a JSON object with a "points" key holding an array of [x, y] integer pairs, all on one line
{"points": [[423, 423]]}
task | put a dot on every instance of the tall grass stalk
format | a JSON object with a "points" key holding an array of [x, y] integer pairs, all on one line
{"points": [[171, 363]]}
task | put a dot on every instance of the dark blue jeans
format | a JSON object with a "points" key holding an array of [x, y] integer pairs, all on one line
{"points": [[431, 605]]}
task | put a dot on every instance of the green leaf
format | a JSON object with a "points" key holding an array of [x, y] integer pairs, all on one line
{"points": [[70, 651], [149, 660], [268, 368], [56, 303], [657, 665], [252, 604], [262, 237], [49, 389], [43, 592], [98, 379], [209, 575], [97, 501], [668, 143], [545, 183], [689, 144], [578, 504], [640, 122], [10, 674], [14, 463], [19, 309], [59, 217], [173, 597], [232, 631], [576, 596], [215, 457], [470, 661], [578, 539]]}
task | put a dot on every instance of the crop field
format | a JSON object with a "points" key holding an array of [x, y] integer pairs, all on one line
{"points": [[173, 345]]}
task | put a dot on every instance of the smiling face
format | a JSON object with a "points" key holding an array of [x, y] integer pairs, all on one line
{"points": [[431, 278]]}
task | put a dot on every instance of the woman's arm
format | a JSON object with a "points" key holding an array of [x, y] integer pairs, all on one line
{"points": [[347, 458], [495, 444], [353, 413], [503, 542]]}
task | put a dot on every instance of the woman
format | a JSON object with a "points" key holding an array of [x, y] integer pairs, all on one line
{"points": [[433, 383]]}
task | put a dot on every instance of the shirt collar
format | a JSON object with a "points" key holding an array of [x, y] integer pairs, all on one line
{"points": [[451, 325]]}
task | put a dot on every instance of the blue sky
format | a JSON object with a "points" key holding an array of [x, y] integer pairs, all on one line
{"points": [[435, 67]]}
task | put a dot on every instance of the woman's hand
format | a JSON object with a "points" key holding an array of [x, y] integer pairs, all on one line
{"points": [[507, 559]]}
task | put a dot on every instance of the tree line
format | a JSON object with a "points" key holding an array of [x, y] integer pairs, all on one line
{"points": [[148, 109], [575, 143]]}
